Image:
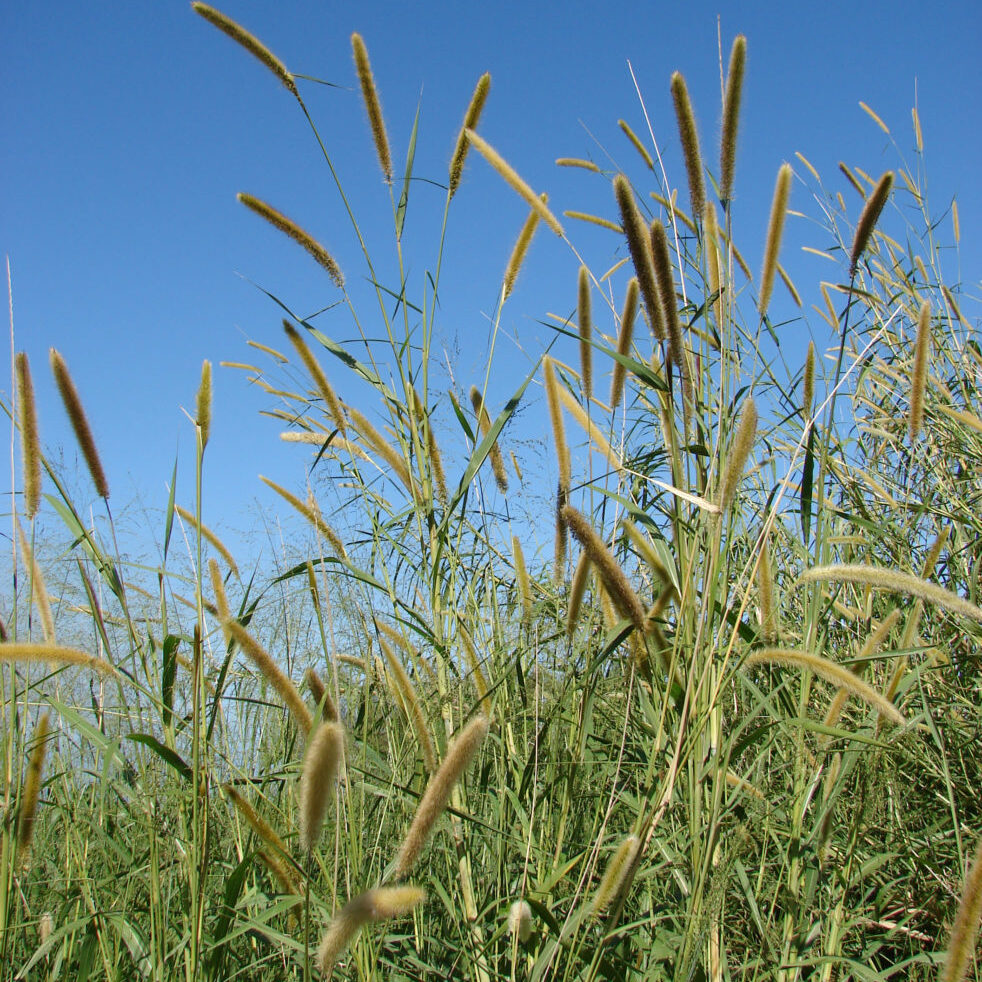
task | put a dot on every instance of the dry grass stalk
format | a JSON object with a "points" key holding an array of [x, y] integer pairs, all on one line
{"points": [[893, 581], [775, 229], [519, 251], [743, 441], [961, 944], [520, 920], [615, 875], [80, 423], [30, 442], [53, 653], [274, 675], [459, 755], [584, 321], [372, 105], [831, 672], [383, 903], [471, 117], [31, 793], [918, 378], [497, 461], [38, 589], [625, 337], [411, 705], [321, 764], [317, 374], [636, 143], [731, 118], [511, 178], [202, 412], [251, 44], [206, 533], [639, 244], [868, 219], [329, 710], [614, 579], [288, 227], [690, 143], [522, 578], [311, 512]]}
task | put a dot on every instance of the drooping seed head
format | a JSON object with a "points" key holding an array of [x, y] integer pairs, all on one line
{"points": [[471, 118], [870, 215], [484, 421], [317, 374], [636, 143], [690, 144], [520, 250], [372, 105], [321, 764], [39, 591], [639, 244], [29, 440]]}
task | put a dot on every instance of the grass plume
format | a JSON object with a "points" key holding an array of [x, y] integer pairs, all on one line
{"points": [[690, 143], [411, 705], [615, 875], [868, 218], [317, 374], [471, 117], [30, 442], [639, 244], [321, 764], [311, 512], [12, 651], [636, 143], [584, 321], [775, 229], [372, 105], [39, 590], [209, 536], [736, 461], [918, 376], [31, 793], [961, 944], [625, 337], [202, 411], [731, 118], [484, 421], [520, 250]]}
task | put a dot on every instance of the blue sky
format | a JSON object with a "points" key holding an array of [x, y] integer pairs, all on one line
{"points": [[129, 128]]}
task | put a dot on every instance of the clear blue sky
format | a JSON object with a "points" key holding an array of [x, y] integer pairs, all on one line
{"points": [[129, 127]]}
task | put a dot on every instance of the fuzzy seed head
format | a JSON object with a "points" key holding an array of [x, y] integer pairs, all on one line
{"points": [[870, 215], [321, 764], [918, 378], [625, 337], [29, 440], [615, 875], [775, 229], [636, 143], [31, 793], [471, 118], [584, 319], [639, 244], [808, 382], [372, 105], [202, 414], [731, 118], [961, 945], [743, 441], [690, 143], [520, 920], [520, 250]]}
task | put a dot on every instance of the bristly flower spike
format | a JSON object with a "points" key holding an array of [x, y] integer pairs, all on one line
{"points": [[775, 229], [690, 144], [868, 219], [731, 118], [372, 105], [471, 118]]}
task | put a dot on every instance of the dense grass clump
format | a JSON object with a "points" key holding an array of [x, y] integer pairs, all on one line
{"points": [[714, 716]]}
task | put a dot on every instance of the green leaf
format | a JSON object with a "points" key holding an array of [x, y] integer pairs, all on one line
{"points": [[168, 756], [404, 197], [167, 678], [169, 523], [807, 477]]}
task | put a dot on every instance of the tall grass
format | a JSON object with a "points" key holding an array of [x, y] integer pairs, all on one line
{"points": [[732, 735]]}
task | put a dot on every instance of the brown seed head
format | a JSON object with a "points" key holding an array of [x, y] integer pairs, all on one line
{"points": [[31, 793], [639, 244], [690, 144], [29, 440], [471, 118], [372, 105], [918, 378], [584, 320], [321, 764], [775, 229], [625, 337], [868, 219], [731, 118]]}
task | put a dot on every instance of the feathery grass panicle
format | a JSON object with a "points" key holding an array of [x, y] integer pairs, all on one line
{"points": [[582, 216], [868, 218], [383, 448], [288, 227], [30, 442], [497, 461], [736, 461], [259, 825], [770, 627], [252, 44], [690, 144], [647, 552], [584, 321], [639, 245], [577, 587], [625, 338], [382, 903], [459, 755], [520, 250], [666, 291], [918, 377], [561, 539], [284, 875], [474, 663], [510, 176], [202, 412], [218, 589], [614, 875], [961, 944], [558, 427], [372, 105], [522, 579], [852, 179], [273, 674], [614, 579], [53, 653], [731, 118], [520, 920], [311, 512], [775, 229], [808, 382], [329, 711], [432, 448], [577, 162], [80, 423], [321, 764], [39, 590], [636, 143], [471, 117], [831, 672], [714, 261], [31, 793], [207, 534], [411, 705], [317, 374], [591, 429], [893, 581]]}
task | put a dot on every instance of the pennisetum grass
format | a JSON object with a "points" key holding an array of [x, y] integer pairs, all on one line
{"points": [[520, 250], [372, 105], [731, 118], [29, 440], [321, 764], [625, 337], [639, 244], [584, 320], [471, 117], [775, 229], [690, 143], [918, 377], [31, 792]]}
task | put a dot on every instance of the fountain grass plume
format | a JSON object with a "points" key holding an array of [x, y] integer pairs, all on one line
{"points": [[625, 337], [39, 590], [218, 588], [918, 376], [209, 536], [289, 227], [80, 423], [321, 764], [484, 421], [577, 588], [584, 322], [558, 427], [808, 382], [511, 178], [639, 245], [615, 875], [411, 705], [665, 281], [736, 461], [12, 651], [868, 218], [317, 374], [372, 105], [259, 825], [520, 920], [471, 117], [251, 44], [31, 793], [311, 512], [29, 440], [522, 578], [577, 162], [329, 710], [202, 412], [460, 752], [731, 118], [964, 930], [775, 229], [636, 143], [520, 250], [383, 448], [690, 144]]}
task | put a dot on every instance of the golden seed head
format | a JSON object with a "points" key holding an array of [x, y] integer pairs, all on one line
{"points": [[31, 793], [520, 250], [690, 143], [80, 423], [39, 590], [615, 875], [636, 143], [520, 920], [808, 382], [731, 118], [497, 461], [775, 229], [406, 693], [471, 118], [583, 316], [558, 427], [317, 374], [639, 244], [29, 440], [743, 441], [251, 44], [625, 337], [372, 105], [918, 378], [329, 711], [868, 219], [321, 764], [202, 414], [577, 587], [961, 945]]}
